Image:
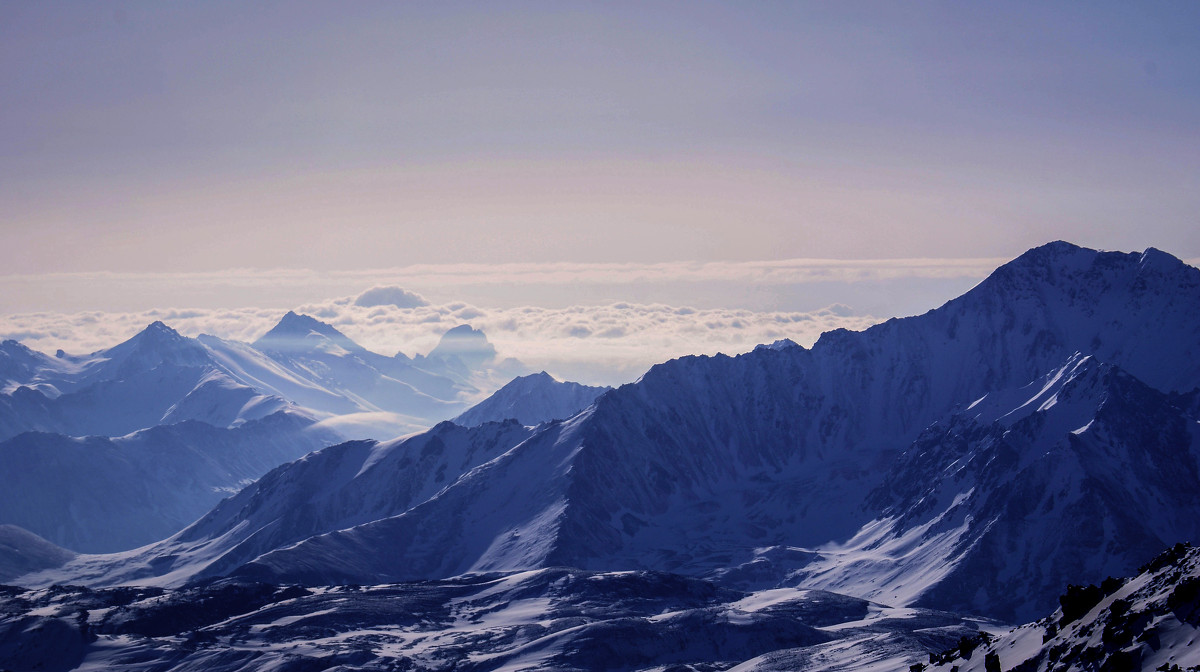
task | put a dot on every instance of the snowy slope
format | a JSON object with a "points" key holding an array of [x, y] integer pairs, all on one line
{"points": [[160, 377], [707, 459], [786, 459], [311, 345], [1075, 476], [22, 551], [1148, 622], [549, 619], [20, 365], [156, 377], [532, 400], [98, 494], [340, 486]]}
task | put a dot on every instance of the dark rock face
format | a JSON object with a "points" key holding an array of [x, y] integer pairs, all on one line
{"points": [[1146, 622]]}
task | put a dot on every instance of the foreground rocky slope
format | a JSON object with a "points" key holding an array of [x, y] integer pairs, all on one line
{"points": [[1148, 622]]}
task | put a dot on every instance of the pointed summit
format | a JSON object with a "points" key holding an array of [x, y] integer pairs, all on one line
{"points": [[1156, 260], [157, 341], [158, 331], [294, 323], [300, 333], [531, 400], [155, 345]]}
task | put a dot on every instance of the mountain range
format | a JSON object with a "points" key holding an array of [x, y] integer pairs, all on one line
{"points": [[125, 446], [1038, 431], [302, 364]]}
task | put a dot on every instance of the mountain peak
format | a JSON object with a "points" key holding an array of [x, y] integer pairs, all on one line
{"points": [[1059, 255], [1060, 258], [531, 381], [159, 329], [154, 345], [1056, 248], [1157, 260], [777, 345], [299, 323], [293, 329], [531, 400], [468, 344], [464, 331], [156, 336]]}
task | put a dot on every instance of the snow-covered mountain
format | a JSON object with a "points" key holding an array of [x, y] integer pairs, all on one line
{"points": [[348, 380], [1078, 474], [532, 400], [901, 463], [161, 377], [1148, 622], [193, 419], [97, 495], [707, 460], [341, 486], [156, 377]]}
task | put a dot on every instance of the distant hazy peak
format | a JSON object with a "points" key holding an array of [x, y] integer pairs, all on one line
{"points": [[294, 328], [297, 323], [155, 344], [464, 331], [531, 400], [466, 343], [158, 331]]}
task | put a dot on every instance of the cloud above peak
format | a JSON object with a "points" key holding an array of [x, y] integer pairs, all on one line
{"points": [[397, 297]]}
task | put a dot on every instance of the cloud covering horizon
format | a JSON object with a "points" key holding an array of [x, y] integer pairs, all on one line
{"points": [[787, 284], [590, 322], [601, 344]]}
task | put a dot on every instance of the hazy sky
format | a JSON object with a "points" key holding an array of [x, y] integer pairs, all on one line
{"points": [[167, 138], [202, 136]]}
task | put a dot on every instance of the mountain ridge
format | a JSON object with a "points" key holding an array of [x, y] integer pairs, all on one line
{"points": [[532, 400], [762, 466], [644, 474]]}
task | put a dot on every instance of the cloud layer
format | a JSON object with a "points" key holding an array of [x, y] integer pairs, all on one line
{"points": [[390, 296], [609, 344], [788, 285]]}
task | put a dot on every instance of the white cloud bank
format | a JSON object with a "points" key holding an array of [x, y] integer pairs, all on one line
{"points": [[609, 344], [791, 285]]}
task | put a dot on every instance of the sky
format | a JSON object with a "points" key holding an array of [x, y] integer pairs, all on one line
{"points": [[770, 157]]}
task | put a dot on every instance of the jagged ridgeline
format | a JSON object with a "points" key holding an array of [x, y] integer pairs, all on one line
{"points": [[1147, 622], [1036, 432], [126, 446]]}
